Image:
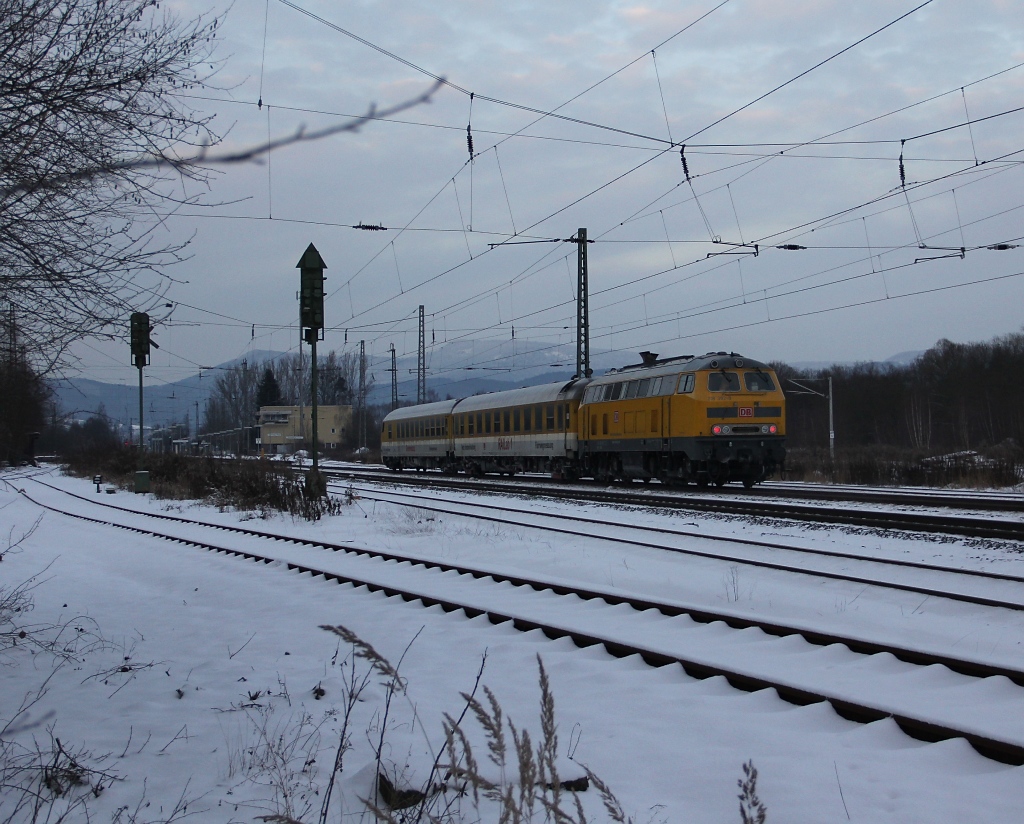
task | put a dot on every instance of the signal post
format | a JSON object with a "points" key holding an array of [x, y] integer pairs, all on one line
{"points": [[311, 319]]}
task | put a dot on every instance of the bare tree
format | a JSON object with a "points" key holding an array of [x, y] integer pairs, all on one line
{"points": [[233, 404], [85, 85]]}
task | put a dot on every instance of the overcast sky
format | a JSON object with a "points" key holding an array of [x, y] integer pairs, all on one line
{"points": [[814, 163]]}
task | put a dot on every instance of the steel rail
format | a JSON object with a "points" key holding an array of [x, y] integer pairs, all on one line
{"points": [[921, 729], [433, 506], [971, 527]]}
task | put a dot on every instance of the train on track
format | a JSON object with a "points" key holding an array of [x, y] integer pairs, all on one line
{"points": [[706, 419]]}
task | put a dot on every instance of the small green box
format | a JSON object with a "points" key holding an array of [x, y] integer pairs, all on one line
{"points": [[142, 481]]}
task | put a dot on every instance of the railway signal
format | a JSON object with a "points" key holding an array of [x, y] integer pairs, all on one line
{"points": [[311, 319], [141, 340]]}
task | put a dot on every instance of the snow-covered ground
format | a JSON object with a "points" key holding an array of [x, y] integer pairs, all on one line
{"points": [[220, 655]]}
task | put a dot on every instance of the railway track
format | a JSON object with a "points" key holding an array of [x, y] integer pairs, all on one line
{"points": [[597, 528], [706, 643], [747, 506]]}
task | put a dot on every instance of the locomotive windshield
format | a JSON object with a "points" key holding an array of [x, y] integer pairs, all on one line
{"points": [[723, 381], [758, 382]]}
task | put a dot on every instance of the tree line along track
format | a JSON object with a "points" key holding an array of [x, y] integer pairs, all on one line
{"points": [[920, 728], [759, 507]]}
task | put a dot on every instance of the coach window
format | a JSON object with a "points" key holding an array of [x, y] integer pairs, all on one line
{"points": [[505, 418], [497, 422], [686, 384], [471, 422], [723, 381], [479, 423], [561, 417], [527, 419], [487, 422], [549, 417], [758, 382], [516, 420]]}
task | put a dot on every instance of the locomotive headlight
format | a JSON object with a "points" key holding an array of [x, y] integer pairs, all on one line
{"points": [[726, 430]]}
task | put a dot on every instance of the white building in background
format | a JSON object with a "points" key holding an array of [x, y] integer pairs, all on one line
{"points": [[284, 429]]}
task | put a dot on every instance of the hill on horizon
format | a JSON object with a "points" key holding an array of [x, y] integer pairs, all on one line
{"points": [[494, 363]]}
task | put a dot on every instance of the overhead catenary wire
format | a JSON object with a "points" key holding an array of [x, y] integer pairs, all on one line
{"points": [[661, 212]]}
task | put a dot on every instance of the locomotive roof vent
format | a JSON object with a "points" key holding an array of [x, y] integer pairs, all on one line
{"points": [[648, 358]]}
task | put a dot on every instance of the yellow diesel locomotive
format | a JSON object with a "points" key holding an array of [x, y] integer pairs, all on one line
{"points": [[707, 419]]}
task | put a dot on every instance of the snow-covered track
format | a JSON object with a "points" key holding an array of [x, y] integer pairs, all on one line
{"points": [[747, 505], [641, 536], [706, 644]]}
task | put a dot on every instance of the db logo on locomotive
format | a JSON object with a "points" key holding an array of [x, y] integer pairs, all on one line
{"points": [[746, 411]]}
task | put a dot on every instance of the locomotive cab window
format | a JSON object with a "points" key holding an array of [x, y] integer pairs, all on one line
{"points": [[758, 382], [723, 381], [631, 390], [686, 383]]}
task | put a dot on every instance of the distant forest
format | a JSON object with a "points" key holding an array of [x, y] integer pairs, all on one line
{"points": [[955, 397]]}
